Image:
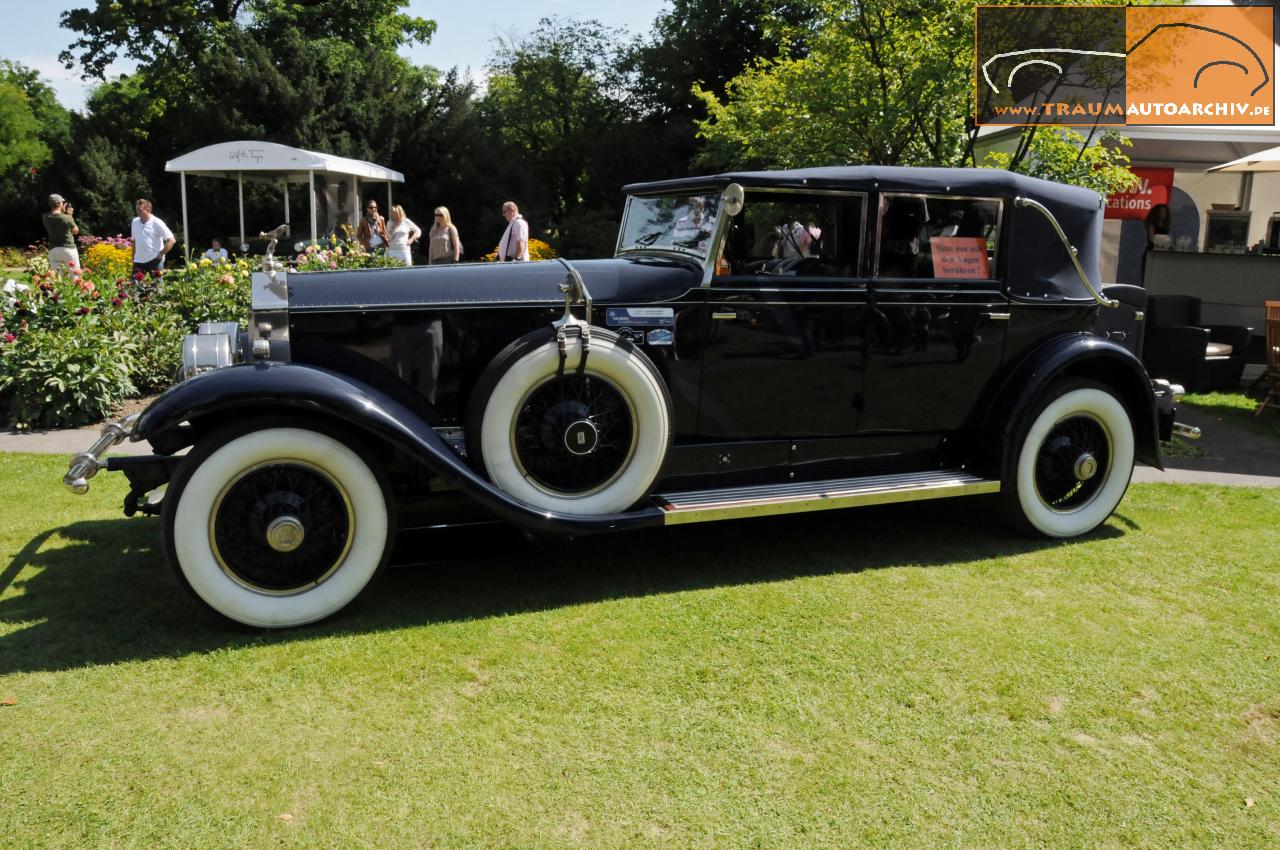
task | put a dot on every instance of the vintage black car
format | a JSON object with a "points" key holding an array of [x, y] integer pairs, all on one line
{"points": [[761, 342]]}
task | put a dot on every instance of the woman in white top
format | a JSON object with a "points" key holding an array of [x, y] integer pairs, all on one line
{"points": [[443, 244], [401, 234]]}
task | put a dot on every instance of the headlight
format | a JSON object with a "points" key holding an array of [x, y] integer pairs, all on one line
{"points": [[211, 347]]}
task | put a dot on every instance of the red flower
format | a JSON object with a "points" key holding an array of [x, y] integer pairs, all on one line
{"points": [[9, 337], [138, 275], [116, 302], [83, 311]]}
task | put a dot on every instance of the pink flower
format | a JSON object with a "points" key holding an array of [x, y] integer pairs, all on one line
{"points": [[9, 337], [226, 280], [333, 265]]}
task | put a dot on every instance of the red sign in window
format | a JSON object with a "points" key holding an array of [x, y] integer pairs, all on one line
{"points": [[960, 256]]}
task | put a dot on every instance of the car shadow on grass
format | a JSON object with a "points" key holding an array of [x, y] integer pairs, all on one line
{"points": [[106, 596]]}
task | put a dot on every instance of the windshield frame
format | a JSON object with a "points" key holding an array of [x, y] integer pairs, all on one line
{"points": [[707, 192]]}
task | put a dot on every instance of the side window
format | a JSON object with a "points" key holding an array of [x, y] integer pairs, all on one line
{"points": [[932, 236], [796, 235]]}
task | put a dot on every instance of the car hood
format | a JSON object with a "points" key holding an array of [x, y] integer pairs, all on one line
{"points": [[629, 280]]}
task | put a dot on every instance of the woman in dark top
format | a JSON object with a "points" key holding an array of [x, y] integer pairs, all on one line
{"points": [[1157, 224]]}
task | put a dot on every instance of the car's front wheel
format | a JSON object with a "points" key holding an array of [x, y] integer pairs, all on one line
{"points": [[277, 526], [1073, 462]]}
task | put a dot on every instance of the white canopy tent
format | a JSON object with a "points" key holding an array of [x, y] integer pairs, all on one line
{"points": [[338, 199], [1267, 160]]}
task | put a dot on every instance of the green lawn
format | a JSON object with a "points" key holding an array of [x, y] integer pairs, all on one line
{"points": [[1238, 409], [899, 677]]}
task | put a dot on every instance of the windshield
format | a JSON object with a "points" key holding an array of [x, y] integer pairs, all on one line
{"points": [[683, 223]]}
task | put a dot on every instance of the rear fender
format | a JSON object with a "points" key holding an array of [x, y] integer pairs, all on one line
{"points": [[233, 392], [1077, 356]]}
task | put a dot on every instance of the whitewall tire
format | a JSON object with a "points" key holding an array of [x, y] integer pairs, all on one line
{"points": [[1073, 463], [584, 442], [277, 527]]}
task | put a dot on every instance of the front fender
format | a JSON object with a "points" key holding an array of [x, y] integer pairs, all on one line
{"points": [[1080, 355], [233, 391]]}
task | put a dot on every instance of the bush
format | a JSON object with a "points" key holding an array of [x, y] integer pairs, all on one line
{"points": [[538, 250], [12, 258], [60, 379], [110, 260], [203, 292], [341, 255]]}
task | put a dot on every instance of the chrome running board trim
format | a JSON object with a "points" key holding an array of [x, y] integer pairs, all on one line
{"points": [[799, 497]]}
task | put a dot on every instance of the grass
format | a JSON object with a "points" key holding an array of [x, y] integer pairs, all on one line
{"points": [[1237, 409], [900, 677]]}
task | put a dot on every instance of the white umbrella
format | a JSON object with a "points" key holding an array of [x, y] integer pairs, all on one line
{"points": [[1268, 160]]}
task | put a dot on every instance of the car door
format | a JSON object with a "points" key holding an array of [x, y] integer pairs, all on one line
{"points": [[782, 355], [937, 316]]}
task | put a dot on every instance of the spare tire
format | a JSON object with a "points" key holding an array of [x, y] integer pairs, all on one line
{"points": [[589, 441]]}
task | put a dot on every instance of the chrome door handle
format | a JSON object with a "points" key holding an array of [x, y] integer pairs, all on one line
{"points": [[724, 314], [997, 317]]}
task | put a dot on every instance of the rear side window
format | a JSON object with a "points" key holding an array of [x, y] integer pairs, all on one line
{"points": [[937, 236]]}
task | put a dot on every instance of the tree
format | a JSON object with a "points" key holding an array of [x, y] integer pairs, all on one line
{"points": [[1065, 155], [172, 32], [886, 83], [558, 98], [20, 143], [33, 129], [320, 74], [878, 81], [703, 43]]}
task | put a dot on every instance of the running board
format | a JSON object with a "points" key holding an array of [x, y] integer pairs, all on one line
{"points": [[768, 499]]}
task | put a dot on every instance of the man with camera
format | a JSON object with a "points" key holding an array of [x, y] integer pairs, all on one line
{"points": [[61, 229]]}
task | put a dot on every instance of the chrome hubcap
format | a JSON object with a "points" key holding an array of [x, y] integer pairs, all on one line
{"points": [[581, 437], [1086, 467], [284, 534]]}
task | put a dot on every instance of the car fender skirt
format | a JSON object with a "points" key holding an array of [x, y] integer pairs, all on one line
{"points": [[231, 392]]}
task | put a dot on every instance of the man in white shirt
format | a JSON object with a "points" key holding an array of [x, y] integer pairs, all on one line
{"points": [[152, 239], [216, 253], [515, 240]]}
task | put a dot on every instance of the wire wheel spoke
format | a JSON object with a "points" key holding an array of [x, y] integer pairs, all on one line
{"points": [[1073, 462], [574, 434], [289, 492]]}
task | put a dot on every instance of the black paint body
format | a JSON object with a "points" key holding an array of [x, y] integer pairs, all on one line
{"points": [[770, 379]]}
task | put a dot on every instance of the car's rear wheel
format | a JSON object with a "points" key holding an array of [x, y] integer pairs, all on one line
{"points": [[1073, 463], [277, 526], [588, 441]]}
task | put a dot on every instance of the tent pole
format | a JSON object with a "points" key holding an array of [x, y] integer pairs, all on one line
{"points": [[186, 239], [311, 178], [286, 200], [240, 188], [388, 197]]}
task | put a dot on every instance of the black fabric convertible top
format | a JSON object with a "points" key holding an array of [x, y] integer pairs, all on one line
{"points": [[1039, 267]]}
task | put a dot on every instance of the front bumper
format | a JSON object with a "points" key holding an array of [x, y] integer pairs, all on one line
{"points": [[1168, 396], [84, 465]]}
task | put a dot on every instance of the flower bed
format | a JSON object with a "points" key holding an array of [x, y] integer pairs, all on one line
{"points": [[74, 345]]}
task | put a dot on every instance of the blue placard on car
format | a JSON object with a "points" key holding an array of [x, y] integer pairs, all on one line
{"points": [[640, 317]]}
